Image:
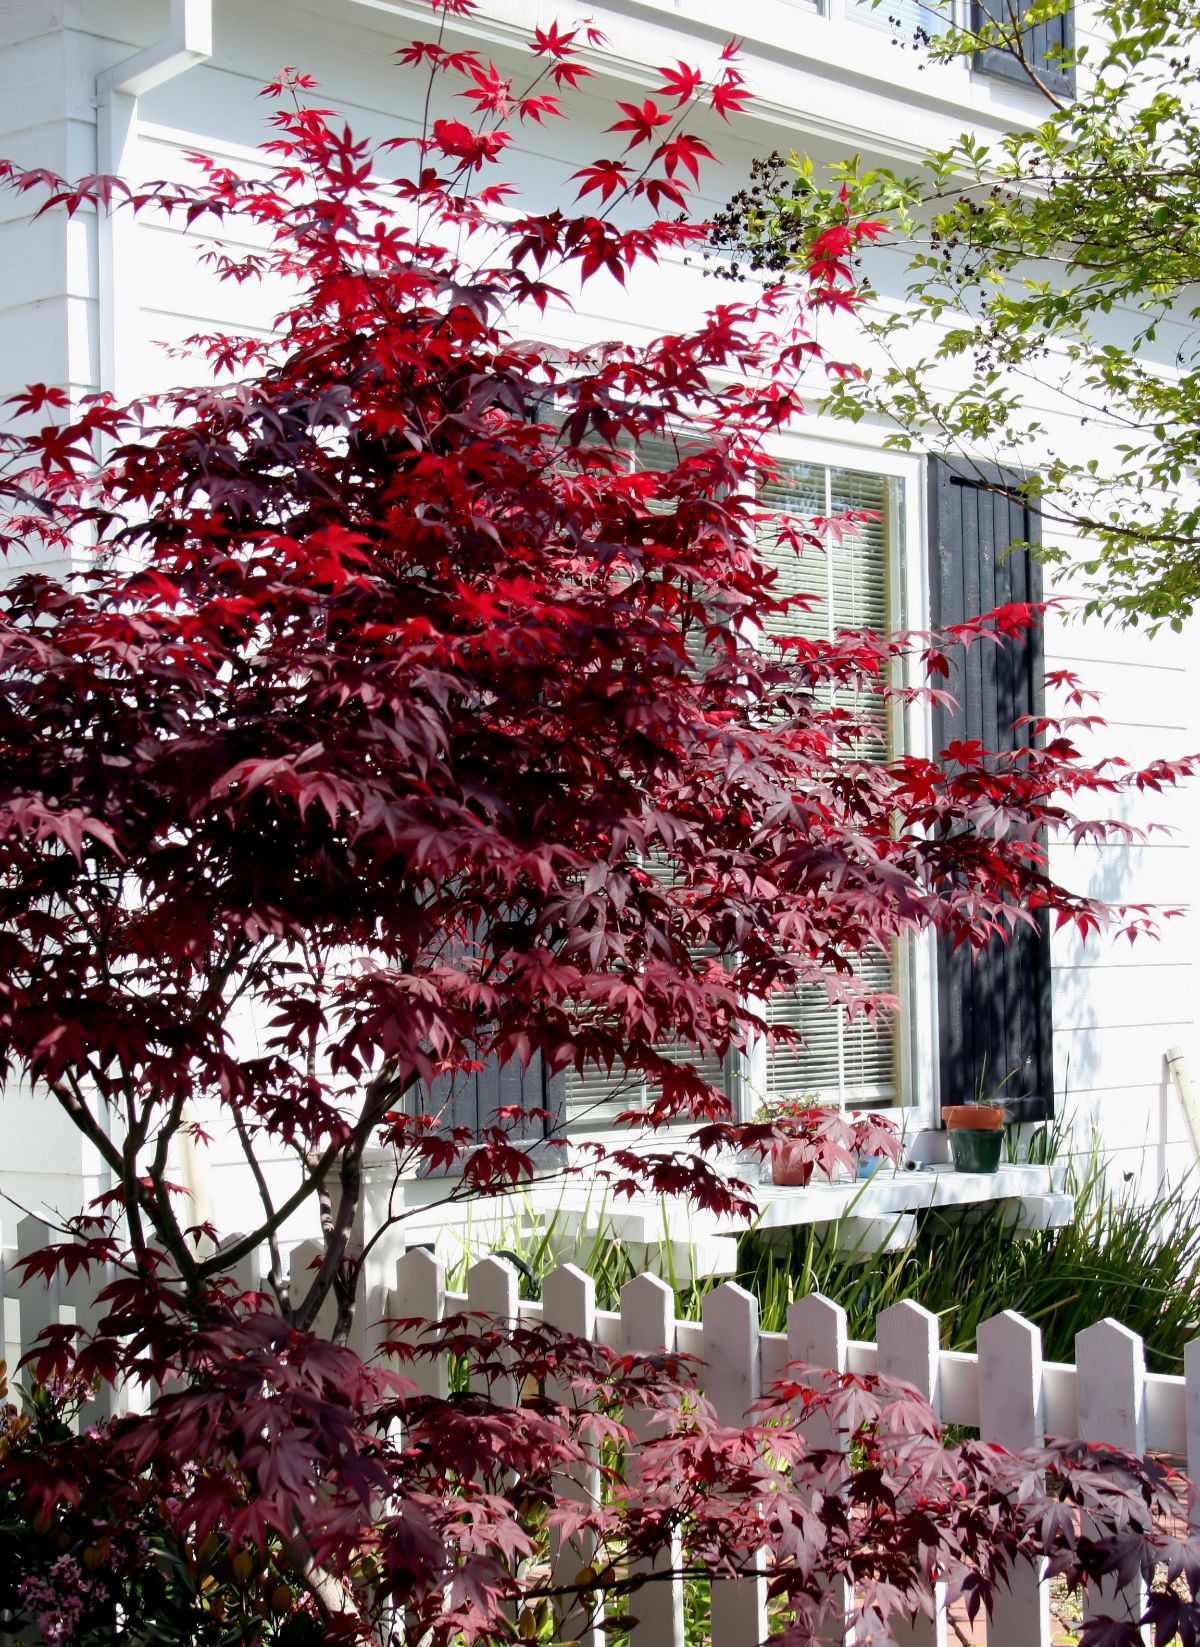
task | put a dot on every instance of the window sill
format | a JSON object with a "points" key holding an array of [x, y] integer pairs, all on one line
{"points": [[1035, 1191]]}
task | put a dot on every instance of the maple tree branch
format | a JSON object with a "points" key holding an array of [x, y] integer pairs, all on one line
{"points": [[169, 1230], [461, 1192], [123, 1162], [230, 1255], [381, 1095], [76, 1107], [275, 1275]]}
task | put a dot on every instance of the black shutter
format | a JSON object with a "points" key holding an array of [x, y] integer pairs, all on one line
{"points": [[473, 1098], [994, 1007], [1044, 44]]}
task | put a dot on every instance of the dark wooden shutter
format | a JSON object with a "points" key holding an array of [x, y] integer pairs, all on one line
{"points": [[993, 1008], [472, 1100], [1043, 44]]}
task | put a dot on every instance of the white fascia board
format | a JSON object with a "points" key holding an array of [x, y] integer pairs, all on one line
{"points": [[828, 77]]}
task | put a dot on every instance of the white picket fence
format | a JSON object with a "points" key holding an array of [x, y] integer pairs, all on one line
{"points": [[1006, 1391]]}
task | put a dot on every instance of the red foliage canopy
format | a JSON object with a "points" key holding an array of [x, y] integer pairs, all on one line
{"points": [[387, 700], [387, 695]]}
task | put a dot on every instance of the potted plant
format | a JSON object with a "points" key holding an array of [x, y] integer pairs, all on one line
{"points": [[811, 1135], [976, 1128]]}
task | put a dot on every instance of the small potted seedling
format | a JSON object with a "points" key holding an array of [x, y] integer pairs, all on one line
{"points": [[976, 1128], [813, 1136]]}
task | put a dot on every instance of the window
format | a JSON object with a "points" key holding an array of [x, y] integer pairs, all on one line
{"points": [[853, 582], [854, 1059], [856, 584], [1048, 46], [992, 1010], [595, 1098]]}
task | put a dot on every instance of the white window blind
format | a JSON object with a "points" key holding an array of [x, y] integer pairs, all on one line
{"points": [[595, 1098], [851, 581], [853, 1059], [852, 585]]}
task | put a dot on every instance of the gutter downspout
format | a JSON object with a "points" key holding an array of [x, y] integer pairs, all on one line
{"points": [[189, 41]]}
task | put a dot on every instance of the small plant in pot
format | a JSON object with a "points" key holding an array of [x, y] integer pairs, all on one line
{"points": [[810, 1136], [977, 1128]]}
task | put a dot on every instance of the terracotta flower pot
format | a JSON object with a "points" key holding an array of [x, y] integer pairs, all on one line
{"points": [[972, 1118], [788, 1163]]}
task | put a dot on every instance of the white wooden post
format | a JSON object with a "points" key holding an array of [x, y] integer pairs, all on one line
{"points": [[10, 1329], [1110, 1393], [1191, 1380], [648, 1324], [731, 1383], [818, 1336], [42, 1305], [40, 1302], [246, 1273], [1011, 1414], [492, 1291], [303, 1261], [79, 1293], [569, 1303], [420, 1295], [908, 1351]]}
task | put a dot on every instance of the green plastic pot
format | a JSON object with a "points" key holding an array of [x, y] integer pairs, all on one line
{"points": [[975, 1150]]}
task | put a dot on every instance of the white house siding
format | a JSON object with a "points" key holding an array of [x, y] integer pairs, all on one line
{"points": [[1118, 1007], [47, 267], [828, 86], [47, 334]]}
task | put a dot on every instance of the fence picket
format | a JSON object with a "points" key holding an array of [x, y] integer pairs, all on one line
{"points": [[303, 1261], [492, 1291], [52, 1304], [41, 1301], [817, 1334], [1191, 1380], [1110, 1376], [731, 1382], [648, 1324], [1011, 1413], [908, 1351], [79, 1294], [420, 1295], [569, 1303]]}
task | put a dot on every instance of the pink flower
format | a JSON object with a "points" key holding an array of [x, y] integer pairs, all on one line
{"points": [[56, 1601]]}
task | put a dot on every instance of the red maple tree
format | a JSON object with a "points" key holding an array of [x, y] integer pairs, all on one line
{"points": [[393, 699]]}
